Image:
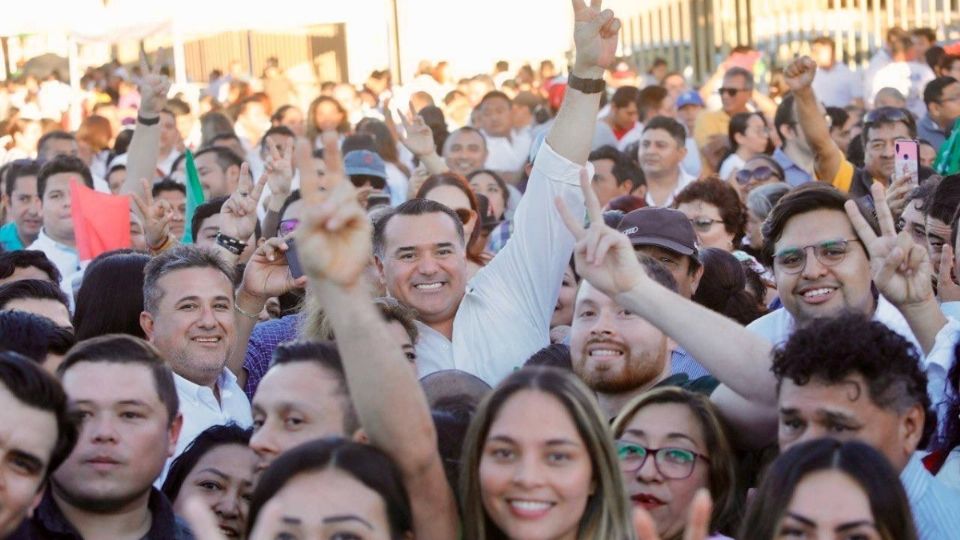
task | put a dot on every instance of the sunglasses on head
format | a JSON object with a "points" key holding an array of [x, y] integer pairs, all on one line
{"points": [[360, 180], [887, 114], [760, 174]]}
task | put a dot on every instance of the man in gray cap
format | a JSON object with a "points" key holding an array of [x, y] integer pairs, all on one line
{"points": [[667, 236]]}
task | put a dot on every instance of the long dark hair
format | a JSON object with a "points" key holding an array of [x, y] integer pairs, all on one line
{"points": [[211, 438], [110, 298], [860, 462], [366, 464]]}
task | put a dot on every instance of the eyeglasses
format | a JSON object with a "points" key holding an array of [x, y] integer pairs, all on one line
{"points": [[360, 180], [829, 253], [672, 463], [730, 91], [703, 224], [287, 226], [760, 174]]}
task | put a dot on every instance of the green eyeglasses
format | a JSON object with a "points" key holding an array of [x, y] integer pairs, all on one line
{"points": [[672, 463], [829, 253]]}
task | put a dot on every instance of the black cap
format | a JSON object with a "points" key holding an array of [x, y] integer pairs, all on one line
{"points": [[661, 227]]}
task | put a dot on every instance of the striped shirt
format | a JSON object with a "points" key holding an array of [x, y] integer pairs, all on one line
{"points": [[935, 506]]}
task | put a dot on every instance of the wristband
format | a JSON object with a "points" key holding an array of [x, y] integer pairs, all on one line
{"points": [[587, 86], [148, 121], [239, 310], [230, 244]]}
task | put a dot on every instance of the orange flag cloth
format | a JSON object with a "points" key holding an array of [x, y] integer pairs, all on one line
{"points": [[101, 222]]}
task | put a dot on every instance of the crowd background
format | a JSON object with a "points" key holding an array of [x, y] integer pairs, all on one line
{"points": [[572, 269]]}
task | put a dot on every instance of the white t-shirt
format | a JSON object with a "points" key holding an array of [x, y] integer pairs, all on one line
{"points": [[837, 86], [910, 78], [733, 163]]}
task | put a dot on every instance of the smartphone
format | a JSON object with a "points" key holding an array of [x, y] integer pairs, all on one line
{"points": [[293, 260], [907, 159]]}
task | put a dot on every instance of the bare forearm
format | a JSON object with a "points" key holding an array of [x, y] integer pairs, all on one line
{"points": [[814, 125], [391, 406], [737, 357], [925, 320], [142, 158], [569, 136], [250, 305], [434, 163]]}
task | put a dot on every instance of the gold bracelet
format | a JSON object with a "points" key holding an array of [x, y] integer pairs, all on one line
{"points": [[253, 316]]}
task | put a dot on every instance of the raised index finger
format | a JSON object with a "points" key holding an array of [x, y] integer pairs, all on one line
{"points": [[884, 216], [245, 184], [331, 155], [860, 225], [594, 211]]}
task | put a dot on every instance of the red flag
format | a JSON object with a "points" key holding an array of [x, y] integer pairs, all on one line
{"points": [[101, 222]]}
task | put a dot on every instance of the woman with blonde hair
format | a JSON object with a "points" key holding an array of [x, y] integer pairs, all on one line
{"points": [[671, 444], [538, 463]]}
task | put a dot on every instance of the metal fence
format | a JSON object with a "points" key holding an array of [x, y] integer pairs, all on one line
{"points": [[696, 35]]}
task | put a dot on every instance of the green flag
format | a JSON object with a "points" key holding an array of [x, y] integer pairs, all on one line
{"points": [[948, 159], [194, 197]]}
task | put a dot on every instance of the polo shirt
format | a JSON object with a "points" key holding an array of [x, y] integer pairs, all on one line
{"points": [[9, 238], [795, 175]]}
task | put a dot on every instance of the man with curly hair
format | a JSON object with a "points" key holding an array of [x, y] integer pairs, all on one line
{"points": [[851, 378]]}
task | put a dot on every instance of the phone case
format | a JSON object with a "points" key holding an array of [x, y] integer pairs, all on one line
{"points": [[907, 158]]}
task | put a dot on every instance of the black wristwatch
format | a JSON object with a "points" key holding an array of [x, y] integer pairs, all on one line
{"points": [[587, 86], [148, 121], [231, 244]]}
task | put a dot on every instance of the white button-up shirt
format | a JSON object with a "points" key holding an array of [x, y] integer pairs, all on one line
{"points": [[504, 316], [683, 180], [201, 410], [64, 257]]}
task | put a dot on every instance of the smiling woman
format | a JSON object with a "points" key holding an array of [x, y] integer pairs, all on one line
{"points": [[546, 475]]}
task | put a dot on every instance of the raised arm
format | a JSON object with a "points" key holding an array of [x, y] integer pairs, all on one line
{"points": [[334, 242], [827, 155], [595, 35], [144, 148], [418, 138]]}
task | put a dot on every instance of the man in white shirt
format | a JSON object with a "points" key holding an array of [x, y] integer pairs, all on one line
{"points": [[834, 83], [662, 150], [56, 239], [490, 325], [507, 148], [905, 74], [189, 316]]}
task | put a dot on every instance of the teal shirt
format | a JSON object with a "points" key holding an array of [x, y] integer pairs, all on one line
{"points": [[9, 238]]}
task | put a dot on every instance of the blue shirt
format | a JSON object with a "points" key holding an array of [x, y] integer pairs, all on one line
{"points": [[9, 238], [931, 132], [682, 362], [794, 174], [934, 505], [264, 339]]}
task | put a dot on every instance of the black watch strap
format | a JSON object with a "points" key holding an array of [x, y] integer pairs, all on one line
{"points": [[587, 86], [148, 121]]}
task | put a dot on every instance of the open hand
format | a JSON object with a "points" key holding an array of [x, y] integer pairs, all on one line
{"points": [[238, 216], [799, 74], [595, 34], [900, 267], [603, 256]]}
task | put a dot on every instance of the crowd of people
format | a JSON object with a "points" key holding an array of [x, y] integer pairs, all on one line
{"points": [[592, 305]]}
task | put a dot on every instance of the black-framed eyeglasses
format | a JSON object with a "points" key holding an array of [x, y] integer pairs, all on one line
{"points": [[730, 91], [829, 253], [760, 174], [671, 462], [703, 224]]}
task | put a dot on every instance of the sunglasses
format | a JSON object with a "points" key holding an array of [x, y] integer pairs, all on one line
{"points": [[760, 174], [730, 91], [287, 226], [360, 180], [887, 114], [704, 224]]}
